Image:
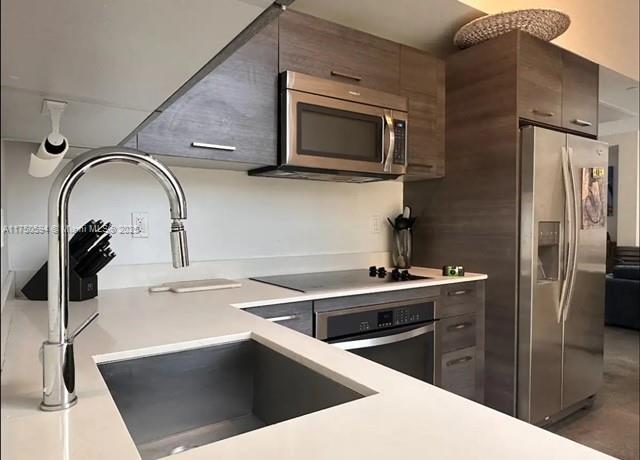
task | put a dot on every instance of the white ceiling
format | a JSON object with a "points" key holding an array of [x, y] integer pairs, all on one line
{"points": [[113, 61], [425, 24]]}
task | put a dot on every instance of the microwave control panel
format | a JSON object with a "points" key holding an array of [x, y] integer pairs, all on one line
{"points": [[400, 149]]}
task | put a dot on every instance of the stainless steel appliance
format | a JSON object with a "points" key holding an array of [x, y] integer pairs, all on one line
{"points": [[399, 335], [338, 132], [343, 279], [562, 273]]}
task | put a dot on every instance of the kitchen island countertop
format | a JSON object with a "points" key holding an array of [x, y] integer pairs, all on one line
{"points": [[403, 418]]}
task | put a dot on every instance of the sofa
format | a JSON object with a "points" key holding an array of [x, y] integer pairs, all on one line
{"points": [[622, 297]]}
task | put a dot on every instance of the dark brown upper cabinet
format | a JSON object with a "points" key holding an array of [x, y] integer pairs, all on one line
{"points": [[539, 81], [317, 47], [229, 116], [556, 87], [580, 81], [422, 81]]}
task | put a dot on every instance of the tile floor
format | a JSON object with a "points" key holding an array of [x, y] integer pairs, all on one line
{"points": [[612, 425]]}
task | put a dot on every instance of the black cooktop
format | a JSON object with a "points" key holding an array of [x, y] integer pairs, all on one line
{"points": [[344, 279]]}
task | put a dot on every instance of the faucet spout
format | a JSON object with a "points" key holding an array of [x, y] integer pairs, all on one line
{"points": [[58, 365]]}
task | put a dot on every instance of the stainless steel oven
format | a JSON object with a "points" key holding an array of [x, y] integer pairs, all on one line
{"points": [[399, 335], [341, 132]]}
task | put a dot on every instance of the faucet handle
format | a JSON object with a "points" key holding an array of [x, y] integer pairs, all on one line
{"points": [[83, 326]]}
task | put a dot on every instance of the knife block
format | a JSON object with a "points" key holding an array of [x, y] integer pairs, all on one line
{"points": [[80, 288]]}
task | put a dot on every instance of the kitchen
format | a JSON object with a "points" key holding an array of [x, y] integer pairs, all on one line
{"points": [[290, 92]]}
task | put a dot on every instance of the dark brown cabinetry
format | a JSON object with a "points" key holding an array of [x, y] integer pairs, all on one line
{"points": [[539, 81], [460, 339], [317, 47], [472, 215], [230, 115], [422, 82], [556, 87], [229, 118], [580, 79]]}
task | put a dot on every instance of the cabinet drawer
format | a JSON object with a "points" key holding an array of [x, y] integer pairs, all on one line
{"points": [[459, 372], [317, 47], [297, 316], [460, 298], [579, 94], [457, 332], [229, 115], [539, 81]]}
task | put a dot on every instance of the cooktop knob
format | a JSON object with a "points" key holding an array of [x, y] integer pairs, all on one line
{"points": [[382, 272], [405, 275], [395, 274], [373, 270]]}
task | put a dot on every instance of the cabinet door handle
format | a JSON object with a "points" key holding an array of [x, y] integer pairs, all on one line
{"points": [[335, 73], [461, 292], [580, 122], [279, 319], [203, 145], [457, 361], [543, 113], [457, 327]]}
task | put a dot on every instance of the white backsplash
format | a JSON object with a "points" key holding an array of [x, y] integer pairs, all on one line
{"points": [[250, 225]]}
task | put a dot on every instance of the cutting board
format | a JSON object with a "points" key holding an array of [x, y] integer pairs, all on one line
{"points": [[195, 285]]}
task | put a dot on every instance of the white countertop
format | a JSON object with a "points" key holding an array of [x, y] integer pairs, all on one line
{"points": [[406, 419]]}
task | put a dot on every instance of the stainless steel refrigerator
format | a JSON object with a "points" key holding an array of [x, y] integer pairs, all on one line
{"points": [[560, 316]]}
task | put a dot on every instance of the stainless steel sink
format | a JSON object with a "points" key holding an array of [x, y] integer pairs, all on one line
{"points": [[177, 401]]}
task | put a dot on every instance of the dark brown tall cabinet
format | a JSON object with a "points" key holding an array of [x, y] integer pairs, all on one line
{"points": [[471, 216]]}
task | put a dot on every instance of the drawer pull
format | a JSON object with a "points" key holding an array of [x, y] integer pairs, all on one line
{"points": [[455, 362], [279, 319], [203, 145], [460, 292], [335, 73], [580, 122], [459, 326], [543, 113]]}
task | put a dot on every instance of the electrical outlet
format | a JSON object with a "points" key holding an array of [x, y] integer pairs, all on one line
{"points": [[140, 224], [375, 223]]}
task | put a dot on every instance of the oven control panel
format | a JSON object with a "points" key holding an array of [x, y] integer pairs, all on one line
{"points": [[370, 319]]}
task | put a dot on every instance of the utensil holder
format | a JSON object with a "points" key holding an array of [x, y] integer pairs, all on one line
{"points": [[402, 246]]}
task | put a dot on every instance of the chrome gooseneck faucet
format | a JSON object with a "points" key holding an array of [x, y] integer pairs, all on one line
{"points": [[58, 364]]}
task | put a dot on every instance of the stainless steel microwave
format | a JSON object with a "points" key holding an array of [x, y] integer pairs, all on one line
{"points": [[338, 132]]}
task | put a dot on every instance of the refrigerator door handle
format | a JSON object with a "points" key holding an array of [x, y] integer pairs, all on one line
{"points": [[573, 261], [569, 197], [573, 216]]}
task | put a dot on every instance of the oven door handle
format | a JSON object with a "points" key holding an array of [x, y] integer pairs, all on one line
{"points": [[391, 134], [385, 340]]}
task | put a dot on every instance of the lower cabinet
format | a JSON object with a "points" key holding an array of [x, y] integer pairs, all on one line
{"points": [[297, 315], [458, 374], [459, 338]]}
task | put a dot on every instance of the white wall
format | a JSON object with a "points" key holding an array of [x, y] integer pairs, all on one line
{"points": [[4, 251], [232, 217], [628, 187]]}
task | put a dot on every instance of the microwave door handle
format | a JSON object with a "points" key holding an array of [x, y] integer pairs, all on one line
{"points": [[390, 133], [385, 340]]}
